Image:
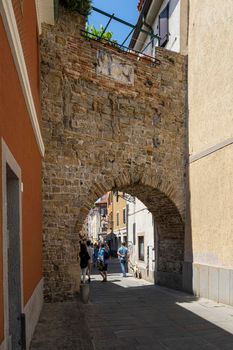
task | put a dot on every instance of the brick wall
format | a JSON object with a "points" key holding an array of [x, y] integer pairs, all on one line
{"points": [[110, 121]]}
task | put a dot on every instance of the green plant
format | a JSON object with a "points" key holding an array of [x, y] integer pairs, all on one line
{"points": [[82, 6], [99, 34]]}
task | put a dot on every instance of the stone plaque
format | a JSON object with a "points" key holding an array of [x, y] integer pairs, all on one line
{"points": [[114, 68]]}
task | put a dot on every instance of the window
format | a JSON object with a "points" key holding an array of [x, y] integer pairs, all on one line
{"points": [[103, 211], [141, 248], [124, 216], [163, 26], [117, 219], [104, 227]]}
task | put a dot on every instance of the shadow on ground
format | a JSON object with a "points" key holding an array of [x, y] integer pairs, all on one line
{"points": [[132, 314]]}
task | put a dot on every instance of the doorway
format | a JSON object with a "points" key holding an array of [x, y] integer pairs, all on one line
{"points": [[12, 250], [13, 260]]}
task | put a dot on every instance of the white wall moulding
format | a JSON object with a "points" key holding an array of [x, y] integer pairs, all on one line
{"points": [[8, 16], [210, 150], [213, 282], [32, 311], [3, 345]]}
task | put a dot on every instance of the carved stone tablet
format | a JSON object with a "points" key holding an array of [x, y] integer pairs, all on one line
{"points": [[114, 68]]}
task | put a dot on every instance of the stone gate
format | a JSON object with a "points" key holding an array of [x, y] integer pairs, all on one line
{"points": [[111, 120]]}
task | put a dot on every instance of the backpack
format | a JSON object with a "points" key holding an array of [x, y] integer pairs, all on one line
{"points": [[84, 260], [106, 254]]}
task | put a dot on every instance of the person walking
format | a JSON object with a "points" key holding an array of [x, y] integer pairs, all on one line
{"points": [[96, 253], [90, 251], [123, 254], [84, 258], [103, 262]]}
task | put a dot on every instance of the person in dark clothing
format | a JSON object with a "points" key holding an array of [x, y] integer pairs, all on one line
{"points": [[103, 261], [84, 258], [96, 253]]}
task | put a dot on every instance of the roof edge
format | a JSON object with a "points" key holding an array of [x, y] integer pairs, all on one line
{"points": [[142, 15]]}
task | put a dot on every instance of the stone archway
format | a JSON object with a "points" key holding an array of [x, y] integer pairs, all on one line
{"points": [[117, 128], [158, 198]]}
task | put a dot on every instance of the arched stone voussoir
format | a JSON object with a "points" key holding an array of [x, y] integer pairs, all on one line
{"points": [[164, 188]]}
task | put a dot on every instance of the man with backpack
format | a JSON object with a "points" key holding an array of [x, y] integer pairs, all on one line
{"points": [[123, 257]]}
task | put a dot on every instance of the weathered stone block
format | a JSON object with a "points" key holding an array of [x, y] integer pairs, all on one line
{"points": [[114, 67]]}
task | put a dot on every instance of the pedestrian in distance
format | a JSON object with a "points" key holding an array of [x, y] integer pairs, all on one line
{"points": [[103, 262], [84, 258], [107, 250], [123, 255], [96, 253], [90, 251]]}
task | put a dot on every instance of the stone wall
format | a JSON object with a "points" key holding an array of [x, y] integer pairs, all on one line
{"points": [[110, 121]]}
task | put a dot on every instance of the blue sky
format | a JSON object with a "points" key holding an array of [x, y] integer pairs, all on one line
{"points": [[124, 9]]}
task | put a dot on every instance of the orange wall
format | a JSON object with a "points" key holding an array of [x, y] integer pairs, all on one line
{"points": [[118, 208], [1, 251], [17, 132], [26, 19]]}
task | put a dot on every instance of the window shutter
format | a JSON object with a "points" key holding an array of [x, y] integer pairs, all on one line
{"points": [[134, 233], [163, 26], [124, 216]]}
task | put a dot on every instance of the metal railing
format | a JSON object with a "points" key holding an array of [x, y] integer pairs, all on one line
{"points": [[123, 45]]}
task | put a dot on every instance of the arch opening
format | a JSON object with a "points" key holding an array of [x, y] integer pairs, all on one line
{"points": [[162, 235]]}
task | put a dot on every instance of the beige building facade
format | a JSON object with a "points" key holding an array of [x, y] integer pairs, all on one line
{"points": [[119, 210], [210, 96], [204, 35]]}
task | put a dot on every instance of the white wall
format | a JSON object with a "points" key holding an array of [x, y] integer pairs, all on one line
{"points": [[143, 219], [121, 233], [45, 12], [174, 27], [94, 224]]}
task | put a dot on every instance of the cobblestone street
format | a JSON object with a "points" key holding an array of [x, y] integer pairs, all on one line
{"points": [[128, 313]]}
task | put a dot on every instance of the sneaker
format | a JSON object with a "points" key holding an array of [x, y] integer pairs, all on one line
{"points": [[89, 279]]}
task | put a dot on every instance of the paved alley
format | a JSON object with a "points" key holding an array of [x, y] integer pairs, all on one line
{"points": [[128, 313]]}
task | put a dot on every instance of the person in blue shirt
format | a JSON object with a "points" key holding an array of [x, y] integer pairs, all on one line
{"points": [[103, 261], [123, 257]]}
